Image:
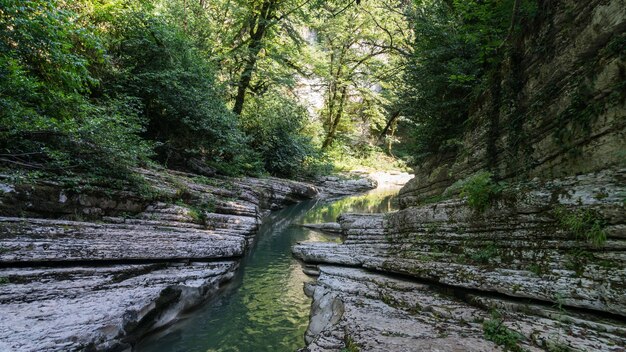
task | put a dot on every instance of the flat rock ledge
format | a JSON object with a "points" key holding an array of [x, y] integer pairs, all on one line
{"points": [[97, 269], [557, 291]]}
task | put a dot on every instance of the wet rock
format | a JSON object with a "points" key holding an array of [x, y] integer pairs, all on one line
{"points": [[328, 227], [99, 308]]}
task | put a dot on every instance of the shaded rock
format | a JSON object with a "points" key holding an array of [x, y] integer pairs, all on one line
{"points": [[518, 249], [124, 264], [328, 227], [99, 308], [41, 240], [539, 106], [354, 308]]}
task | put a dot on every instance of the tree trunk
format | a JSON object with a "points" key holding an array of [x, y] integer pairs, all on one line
{"points": [[333, 129], [258, 27], [389, 123]]}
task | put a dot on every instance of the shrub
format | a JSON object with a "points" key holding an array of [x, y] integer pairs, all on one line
{"points": [[495, 330], [275, 125], [175, 87], [48, 121], [481, 191], [584, 224]]}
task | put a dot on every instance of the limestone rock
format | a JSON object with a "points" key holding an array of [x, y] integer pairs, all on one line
{"points": [[328, 227], [365, 311], [516, 250], [123, 265], [99, 308]]}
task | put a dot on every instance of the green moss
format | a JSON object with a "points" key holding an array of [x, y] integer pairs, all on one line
{"points": [[434, 199], [4, 280]]}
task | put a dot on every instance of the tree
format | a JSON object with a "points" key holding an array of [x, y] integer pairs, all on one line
{"points": [[358, 49], [455, 46], [49, 123]]}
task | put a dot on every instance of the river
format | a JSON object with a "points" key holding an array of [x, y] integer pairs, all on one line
{"points": [[264, 307]]}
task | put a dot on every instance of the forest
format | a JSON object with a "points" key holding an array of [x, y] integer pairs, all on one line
{"points": [[312, 175], [94, 88]]}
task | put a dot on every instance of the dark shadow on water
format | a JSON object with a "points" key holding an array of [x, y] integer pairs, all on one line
{"points": [[264, 308]]}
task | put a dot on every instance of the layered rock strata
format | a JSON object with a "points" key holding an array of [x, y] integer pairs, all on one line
{"points": [[521, 257], [556, 106], [96, 269]]}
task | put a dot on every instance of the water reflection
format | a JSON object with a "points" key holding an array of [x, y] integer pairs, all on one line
{"points": [[263, 308]]}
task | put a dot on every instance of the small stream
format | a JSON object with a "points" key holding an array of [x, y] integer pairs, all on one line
{"points": [[264, 307]]}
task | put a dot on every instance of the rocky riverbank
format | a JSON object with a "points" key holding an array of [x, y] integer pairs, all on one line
{"points": [[98, 269], [515, 238], [444, 275]]}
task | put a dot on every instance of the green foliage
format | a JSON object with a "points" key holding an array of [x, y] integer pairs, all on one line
{"points": [[48, 120], [552, 346], [361, 157], [276, 127], [4, 280], [481, 191], [485, 254], [584, 224], [175, 86], [351, 346], [198, 210], [456, 46], [495, 330], [536, 269]]}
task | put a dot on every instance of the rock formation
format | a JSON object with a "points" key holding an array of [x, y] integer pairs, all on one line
{"points": [[540, 264], [96, 269]]}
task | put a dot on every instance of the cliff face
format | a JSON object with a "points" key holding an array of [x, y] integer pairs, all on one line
{"points": [[547, 257], [556, 107]]}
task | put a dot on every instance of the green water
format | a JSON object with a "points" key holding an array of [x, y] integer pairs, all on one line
{"points": [[264, 308]]}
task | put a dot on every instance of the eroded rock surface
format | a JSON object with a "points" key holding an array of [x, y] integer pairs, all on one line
{"points": [[337, 186], [99, 308], [518, 249], [96, 269], [365, 311]]}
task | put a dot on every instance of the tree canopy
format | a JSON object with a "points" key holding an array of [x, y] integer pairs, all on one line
{"points": [[289, 88]]}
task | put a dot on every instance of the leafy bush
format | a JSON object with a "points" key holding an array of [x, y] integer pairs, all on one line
{"points": [[175, 85], [346, 158], [47, 120], [275, 125], [455, 47], [481, 191]]}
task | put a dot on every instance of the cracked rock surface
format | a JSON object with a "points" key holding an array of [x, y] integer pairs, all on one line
{"points": [[516, 258], [98, 269]]}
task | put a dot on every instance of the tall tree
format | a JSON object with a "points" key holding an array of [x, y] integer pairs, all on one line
{"points": [[359, 47]]}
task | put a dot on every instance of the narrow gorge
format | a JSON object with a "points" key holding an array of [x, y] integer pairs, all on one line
{"points": [[312, 176], [533, 261]]}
